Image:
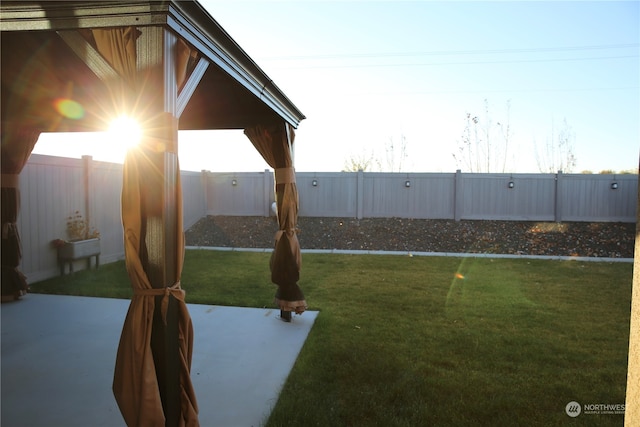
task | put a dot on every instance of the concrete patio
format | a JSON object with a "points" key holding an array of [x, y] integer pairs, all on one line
{"points": [[58, 355]]}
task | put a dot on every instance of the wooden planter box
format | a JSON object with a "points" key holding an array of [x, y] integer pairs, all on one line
{"points": [[80, 249]]}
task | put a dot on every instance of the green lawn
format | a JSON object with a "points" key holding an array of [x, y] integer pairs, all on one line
{"points": [[408, 341]]}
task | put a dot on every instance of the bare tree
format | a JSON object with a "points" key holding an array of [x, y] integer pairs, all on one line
{"points": [[479, 149], [557, 154], [465, 156], [506, 133], [361, 162], [396, 154]]}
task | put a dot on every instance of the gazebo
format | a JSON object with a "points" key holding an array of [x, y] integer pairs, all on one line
{"points": [[76, 66]]}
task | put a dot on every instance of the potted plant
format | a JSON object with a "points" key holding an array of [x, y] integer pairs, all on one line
{"points": [[83, 242]]}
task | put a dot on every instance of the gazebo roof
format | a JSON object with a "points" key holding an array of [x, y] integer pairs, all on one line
{"points": [[233, 92]]}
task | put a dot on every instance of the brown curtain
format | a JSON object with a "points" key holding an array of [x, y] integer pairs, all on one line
{"points": [[118, 47], [17, 144], [184, 55], [29, 110], [274, 143], [136, 382]]}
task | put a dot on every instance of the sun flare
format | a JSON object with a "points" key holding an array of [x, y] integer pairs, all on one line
{"points": [[125, 131]]}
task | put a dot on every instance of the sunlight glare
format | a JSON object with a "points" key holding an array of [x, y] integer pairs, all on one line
{"points": [[125, 131]]}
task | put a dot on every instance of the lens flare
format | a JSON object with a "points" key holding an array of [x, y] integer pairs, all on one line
{"points": [[69, 108], [125, 131]]}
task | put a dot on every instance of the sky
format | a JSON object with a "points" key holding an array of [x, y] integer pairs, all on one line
{"points": [[394, 81]]}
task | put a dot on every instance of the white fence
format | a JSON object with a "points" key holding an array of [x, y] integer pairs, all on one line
{"points": [[53, 188], [458, 196]]}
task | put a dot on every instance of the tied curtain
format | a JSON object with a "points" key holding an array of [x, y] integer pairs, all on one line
{"points": [[274, 143], [30, 110], [17, 145], [136, 384]]}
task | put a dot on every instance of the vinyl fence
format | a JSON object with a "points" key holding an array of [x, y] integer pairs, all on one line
{"points": [[458, 196], [54, 188]]}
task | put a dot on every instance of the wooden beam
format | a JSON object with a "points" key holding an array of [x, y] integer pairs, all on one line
{"points": [[190, 85], [89, 55]]}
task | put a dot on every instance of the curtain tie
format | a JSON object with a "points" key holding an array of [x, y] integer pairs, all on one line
{"points": [[175, 290], [286, 230], [285, 175], [290, 231], [9, 227], [10, 180]]}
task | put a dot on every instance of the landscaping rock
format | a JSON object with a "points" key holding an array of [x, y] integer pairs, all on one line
{"points": [[582, 239]]}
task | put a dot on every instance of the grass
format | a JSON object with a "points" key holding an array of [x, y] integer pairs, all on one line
{"points": [[406, 341]]}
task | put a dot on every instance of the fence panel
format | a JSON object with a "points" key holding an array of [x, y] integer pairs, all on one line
{"points": [[53, 189], [45, 183], [473, 196], [106, 214], [385, 195], [333, 195], [239, 194], [426, 196], [583, 198], [193, 197], [433, 196], [490, 196]]}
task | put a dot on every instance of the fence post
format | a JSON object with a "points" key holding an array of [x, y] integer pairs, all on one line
{"points": [[267, 190], [558, 199], [360, 194], [87, 172], [457, 196], [204, 182]]}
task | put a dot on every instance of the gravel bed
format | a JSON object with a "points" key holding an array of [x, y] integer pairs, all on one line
{"points": [[582, 239]]}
